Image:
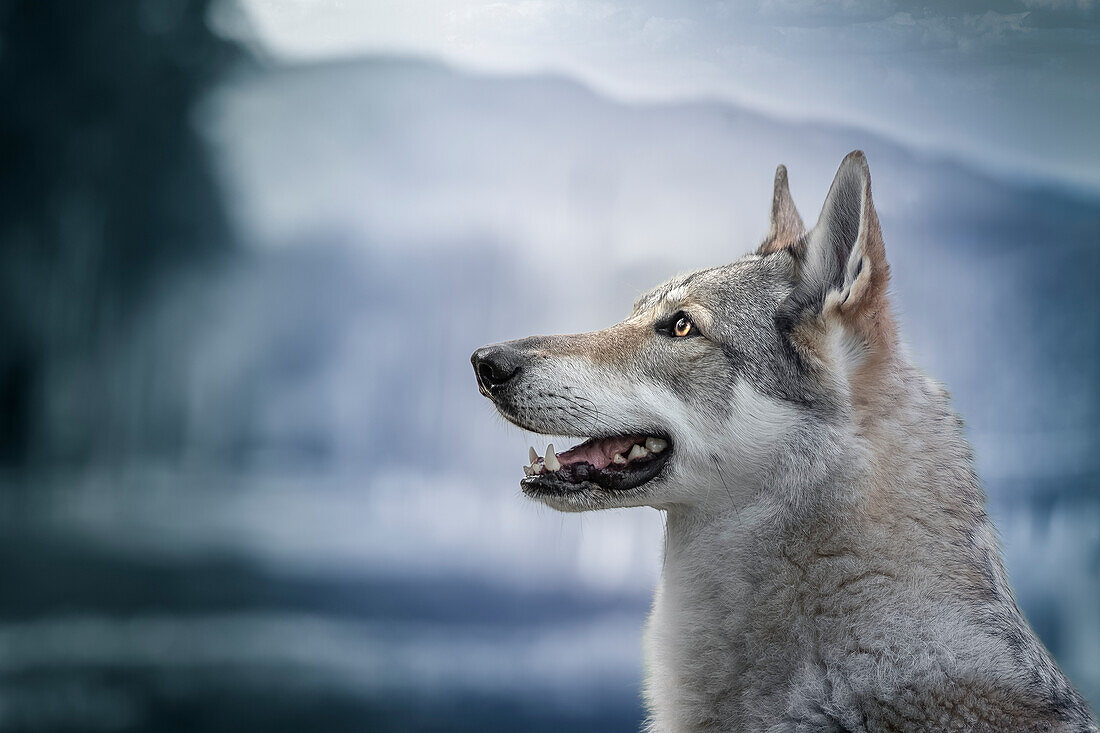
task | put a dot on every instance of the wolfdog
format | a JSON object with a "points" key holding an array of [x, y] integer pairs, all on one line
{"points": [[829, 564]]}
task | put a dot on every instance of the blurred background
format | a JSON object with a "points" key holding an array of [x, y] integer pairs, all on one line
{"points": [[246, 478]]}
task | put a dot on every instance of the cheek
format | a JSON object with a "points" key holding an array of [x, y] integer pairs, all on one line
{"points": [[697, 373], [756, 424]]}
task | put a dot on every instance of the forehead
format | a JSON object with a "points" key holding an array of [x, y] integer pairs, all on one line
{"points": [[711, 285]]}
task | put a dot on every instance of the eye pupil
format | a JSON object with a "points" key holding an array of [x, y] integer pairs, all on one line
{"points": [[682, 327]]}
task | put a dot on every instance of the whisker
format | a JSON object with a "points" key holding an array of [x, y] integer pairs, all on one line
{"points": [[591, 408], [725, 486]]}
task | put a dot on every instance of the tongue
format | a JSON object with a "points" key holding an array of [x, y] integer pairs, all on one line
{"points": [[599, 452]]}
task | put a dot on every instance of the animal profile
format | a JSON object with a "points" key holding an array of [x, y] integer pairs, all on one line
{"points": [[829, 563]]}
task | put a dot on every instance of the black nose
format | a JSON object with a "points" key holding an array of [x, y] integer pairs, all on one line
{"points": [[494, 365]]}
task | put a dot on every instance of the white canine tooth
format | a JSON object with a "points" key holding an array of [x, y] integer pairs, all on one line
{"points": [[527, 470], [618, 459], [532, 455], [552, 462], [655, 445], [637, 452]]}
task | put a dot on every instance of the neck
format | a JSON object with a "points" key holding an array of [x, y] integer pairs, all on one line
{"points": [[897, 467], [753, 590]]}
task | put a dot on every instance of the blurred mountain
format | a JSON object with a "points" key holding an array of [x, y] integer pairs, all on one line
{"points": [[399, 213], [502, 206]]}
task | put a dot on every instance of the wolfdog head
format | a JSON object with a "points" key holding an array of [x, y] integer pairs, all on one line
{"points": [[718, 379]]}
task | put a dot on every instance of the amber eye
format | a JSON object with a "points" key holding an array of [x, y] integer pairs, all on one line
{"points": [[682, 327]]}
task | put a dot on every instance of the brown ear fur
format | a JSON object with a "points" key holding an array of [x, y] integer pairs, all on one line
{"points": [[786, 228]]}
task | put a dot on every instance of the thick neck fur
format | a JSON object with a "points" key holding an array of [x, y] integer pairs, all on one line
{"points": [[864, 565]]}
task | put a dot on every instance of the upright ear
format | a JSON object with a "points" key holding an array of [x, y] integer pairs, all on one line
{"points": [[786, 228], [843, 272]]}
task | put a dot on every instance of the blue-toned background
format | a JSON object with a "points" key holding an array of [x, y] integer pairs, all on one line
{"points": [[245, 252]]}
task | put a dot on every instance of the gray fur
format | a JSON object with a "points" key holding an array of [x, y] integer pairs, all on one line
{"points": [[829, 563]]}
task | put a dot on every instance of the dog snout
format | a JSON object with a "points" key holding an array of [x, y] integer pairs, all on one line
{"points": [[494, 366]]}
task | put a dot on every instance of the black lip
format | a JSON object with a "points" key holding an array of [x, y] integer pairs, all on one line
{"points": [[577, 477]]}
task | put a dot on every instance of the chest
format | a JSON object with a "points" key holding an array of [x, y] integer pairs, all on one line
{"points": [[703, 666], [727, 644]]}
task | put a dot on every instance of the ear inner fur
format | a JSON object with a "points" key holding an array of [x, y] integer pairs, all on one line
{"points": [[861, 302]]}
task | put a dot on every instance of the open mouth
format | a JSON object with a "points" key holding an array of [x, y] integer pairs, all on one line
{"points": [[615, 464]]}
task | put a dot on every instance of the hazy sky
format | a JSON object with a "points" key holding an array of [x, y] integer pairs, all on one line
{"points": [[1014, 86]]}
